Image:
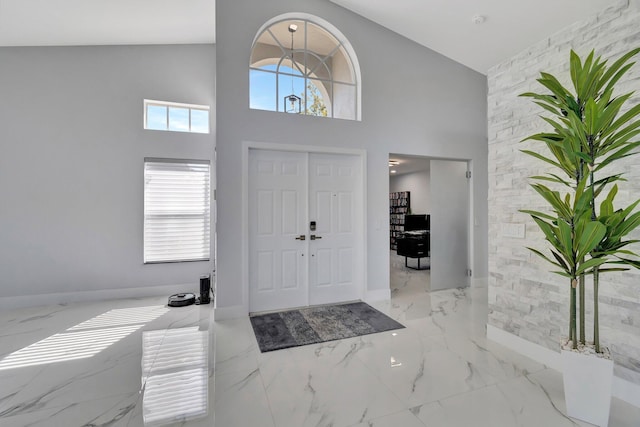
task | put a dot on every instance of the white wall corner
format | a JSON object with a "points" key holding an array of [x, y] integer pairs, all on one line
{"points": [[479, 282], [622, 389], [228, 313], [377, 295]]}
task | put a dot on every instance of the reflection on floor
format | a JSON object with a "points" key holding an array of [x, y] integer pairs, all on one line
{"points": [[145, 364], [113, 363]]}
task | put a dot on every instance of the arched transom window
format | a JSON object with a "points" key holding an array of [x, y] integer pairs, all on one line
{"points": [[303, 65]]}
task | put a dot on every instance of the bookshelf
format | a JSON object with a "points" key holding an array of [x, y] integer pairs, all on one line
{"points": [[399, 205]]}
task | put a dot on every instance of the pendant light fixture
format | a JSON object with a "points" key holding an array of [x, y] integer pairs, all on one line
{"points": [[292, 103]]}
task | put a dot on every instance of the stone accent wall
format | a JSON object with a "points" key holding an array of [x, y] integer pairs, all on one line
{"points": [[525, 299]]}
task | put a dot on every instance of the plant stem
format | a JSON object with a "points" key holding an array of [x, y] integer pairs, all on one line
{"points": [[596, 322], [572, 316], [596, 270], [583, 339], [579, 175]]}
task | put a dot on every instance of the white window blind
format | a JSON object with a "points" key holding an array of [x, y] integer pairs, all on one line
{"points": [[176, 210]]}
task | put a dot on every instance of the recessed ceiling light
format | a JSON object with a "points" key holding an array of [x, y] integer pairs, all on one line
{"points": [[393, 163], [393, 171]]}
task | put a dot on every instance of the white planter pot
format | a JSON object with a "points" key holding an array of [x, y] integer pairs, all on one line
{"points": [[587, 386]]}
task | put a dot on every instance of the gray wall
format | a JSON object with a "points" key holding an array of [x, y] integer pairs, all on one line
{"points": [[414, 101], [419, 184], [525, 299], [71, 163]]}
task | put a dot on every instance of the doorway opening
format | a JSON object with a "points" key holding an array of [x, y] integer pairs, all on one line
{"points": [[429, 220]]}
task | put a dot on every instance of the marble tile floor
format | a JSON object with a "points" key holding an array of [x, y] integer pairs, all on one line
{"points": [[113, 363], [140, 363]]}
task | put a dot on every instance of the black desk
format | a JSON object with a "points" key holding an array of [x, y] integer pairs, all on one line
{"points": [[414, 244]]}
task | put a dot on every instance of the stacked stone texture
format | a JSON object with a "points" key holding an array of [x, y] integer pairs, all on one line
{"points": [[525, 298]]}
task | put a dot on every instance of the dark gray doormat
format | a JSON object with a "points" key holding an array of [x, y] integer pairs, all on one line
{"points": [[292, 328]]}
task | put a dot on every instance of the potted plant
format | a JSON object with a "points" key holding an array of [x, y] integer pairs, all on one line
{"points": [[586, 234]]}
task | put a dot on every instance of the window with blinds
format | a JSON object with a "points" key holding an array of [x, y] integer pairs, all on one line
{"points": [[176, 210]]}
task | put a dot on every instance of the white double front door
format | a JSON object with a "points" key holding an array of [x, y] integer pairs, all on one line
{"points": [[305, 229]]}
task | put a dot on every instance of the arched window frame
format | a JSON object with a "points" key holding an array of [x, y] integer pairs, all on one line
{"points": [[343, 42]]}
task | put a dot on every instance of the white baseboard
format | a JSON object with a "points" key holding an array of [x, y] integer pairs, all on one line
{"points": [[534, 351], [622, 389], [239, 311], [479, 282], [231, 312], [88, 296], [377, 295], [627, 391]]}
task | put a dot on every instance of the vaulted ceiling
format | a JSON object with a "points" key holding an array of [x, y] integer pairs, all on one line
{"points": [[476, 33]]}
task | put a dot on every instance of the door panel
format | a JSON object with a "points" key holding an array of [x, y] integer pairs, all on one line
{"points": [[277, 215], [265, 271], [345, 212], [449, 224], [345, 262], [336, 262]]}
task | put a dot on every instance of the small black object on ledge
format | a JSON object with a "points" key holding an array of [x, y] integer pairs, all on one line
{"points": [[185, 298], [181, 300], [205, 290]]}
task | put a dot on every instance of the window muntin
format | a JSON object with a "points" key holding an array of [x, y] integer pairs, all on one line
{"points": [[172, 116], [176, 210], [320, 62]]}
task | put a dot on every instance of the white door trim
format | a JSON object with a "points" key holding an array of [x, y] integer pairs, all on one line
{"points": [[252, 145]]}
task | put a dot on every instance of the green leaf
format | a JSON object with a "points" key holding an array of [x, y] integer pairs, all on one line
{"points": [[613, 69], [575, 69], [608, 270], [584, 156], [551, 108], [553, 198], [551, 83], [589, 264], [606, 208], [618, 75], [573, 105], [538, 214], [551, 235], [565, 236], [622, 120], [552, 178], [628, 225], [592, 235], [562, 263], [591, 116], [543, 256], [609, 110], [612, 193], [541, 157], [631, 262]]}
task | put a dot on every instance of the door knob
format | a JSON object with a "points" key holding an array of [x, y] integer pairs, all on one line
{"points": [[314, 237], [301, 237]]}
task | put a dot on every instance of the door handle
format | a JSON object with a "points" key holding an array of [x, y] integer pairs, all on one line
{"points": [[301, 237], [314, 237]]}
